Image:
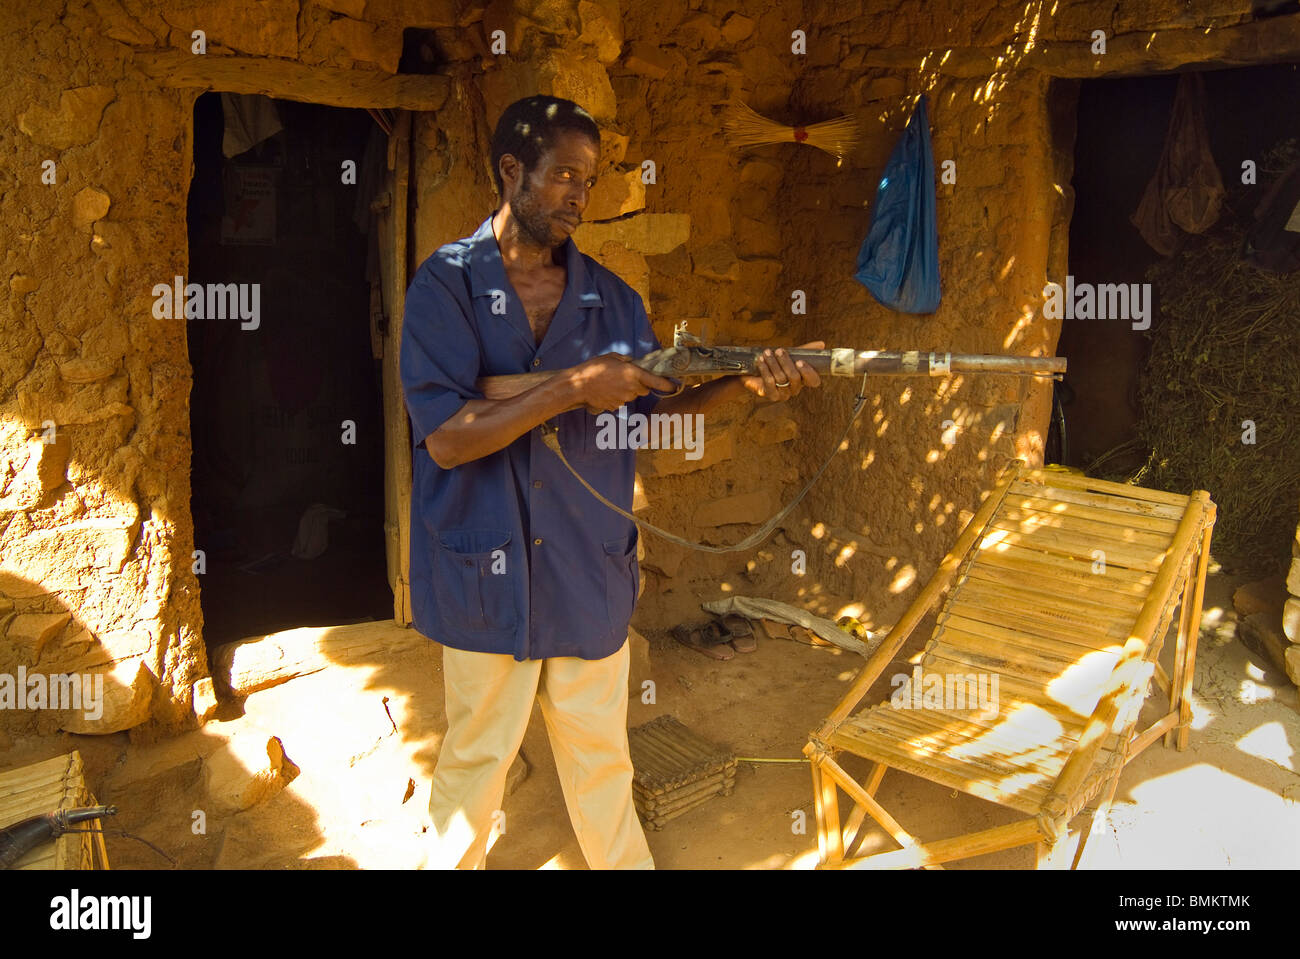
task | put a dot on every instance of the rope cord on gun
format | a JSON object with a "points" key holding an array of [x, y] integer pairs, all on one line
{"points": [[552, 439]]}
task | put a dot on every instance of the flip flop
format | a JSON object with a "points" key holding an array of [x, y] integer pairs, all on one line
{"points": [[708, 638], [741, 632]]}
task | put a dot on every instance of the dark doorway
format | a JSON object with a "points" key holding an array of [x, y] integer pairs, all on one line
{"points": [[287, 478], [1121, 129]]}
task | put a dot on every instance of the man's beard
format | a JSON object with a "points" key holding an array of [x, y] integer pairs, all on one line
{"points": [[533, 221]]}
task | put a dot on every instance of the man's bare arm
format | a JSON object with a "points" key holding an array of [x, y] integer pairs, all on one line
{"points": [[482, 427]]}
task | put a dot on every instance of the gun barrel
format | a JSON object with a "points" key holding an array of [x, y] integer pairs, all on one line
{"points": [[916, 363]]}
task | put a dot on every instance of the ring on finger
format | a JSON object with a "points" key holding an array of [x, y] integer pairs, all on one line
{"points": [[781, 386]]}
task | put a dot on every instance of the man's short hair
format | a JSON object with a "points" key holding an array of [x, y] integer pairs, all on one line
{"points": [[528, 128]]}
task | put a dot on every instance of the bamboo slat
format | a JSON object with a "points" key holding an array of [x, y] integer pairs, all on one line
{"points": [[1041, 764], [1066, 697], [1076, 521], [29, 801], [1069, 575], [1035, 622], [1061, 641], [1047, 563], [1056, 480], [1120, 521], [926, 745], [966, 650], [1025, 792], [998, 756], [992, 657], [44, 771], [1061, 499], [1011, 711], [1040, 590], [1082, 546], [993, 586]]}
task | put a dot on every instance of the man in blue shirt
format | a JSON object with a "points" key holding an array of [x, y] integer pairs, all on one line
{"points": [[524, 578]]}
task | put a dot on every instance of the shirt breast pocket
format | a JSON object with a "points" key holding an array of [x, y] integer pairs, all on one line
{"points": [[580, 433], [620, 579], [474, 579]]}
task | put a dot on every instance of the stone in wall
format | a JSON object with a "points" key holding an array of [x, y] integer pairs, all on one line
{"points": [[267, 28], [74, 122], [719, 447], [613, 148], [348, 42], [755, 507], [29, 632], [602, 28], [647, 60], [648, 233], [128, 694], [520, 19], [716, 261], [616, 193], [737, 27], [42, 473], [88, 206], [553, 73], [63, 557], [84, 651]]}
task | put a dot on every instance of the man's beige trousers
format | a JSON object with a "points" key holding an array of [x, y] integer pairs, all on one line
{"points": [[489, 701]]}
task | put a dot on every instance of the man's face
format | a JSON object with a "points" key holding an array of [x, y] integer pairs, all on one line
{"points": [[548, 200]]}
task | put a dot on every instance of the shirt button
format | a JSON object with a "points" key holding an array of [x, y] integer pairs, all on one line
{"points": [[538, 541], [537, 484], [537, 362]]}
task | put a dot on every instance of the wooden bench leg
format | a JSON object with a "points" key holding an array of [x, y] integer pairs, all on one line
{"points": [[830, 841], [859, 815], [1193, 632], [1180, 651]]}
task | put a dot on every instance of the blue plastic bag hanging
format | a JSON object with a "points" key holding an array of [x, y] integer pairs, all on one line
{"points": [[899, 259]]}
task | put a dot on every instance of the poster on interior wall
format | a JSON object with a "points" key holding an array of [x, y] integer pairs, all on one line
{"points": [[249, 219]]}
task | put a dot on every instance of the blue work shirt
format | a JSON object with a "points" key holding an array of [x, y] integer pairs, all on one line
{"points": [[509, 553]]}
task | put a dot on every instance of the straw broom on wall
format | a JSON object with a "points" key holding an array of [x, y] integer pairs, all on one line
{"points": [[742, 127]]}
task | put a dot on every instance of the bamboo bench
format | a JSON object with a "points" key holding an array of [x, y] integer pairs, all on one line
{"points": [[1063, 588]]}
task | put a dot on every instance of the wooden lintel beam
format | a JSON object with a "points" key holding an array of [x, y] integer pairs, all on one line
{"points": [[286, 80], [1148, 51]]}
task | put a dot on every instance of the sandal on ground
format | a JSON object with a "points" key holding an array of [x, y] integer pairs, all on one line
{"points": [[707, 638], [741, 632]]}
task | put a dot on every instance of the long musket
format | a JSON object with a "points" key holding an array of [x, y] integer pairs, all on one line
{"points": [[688, 359]]}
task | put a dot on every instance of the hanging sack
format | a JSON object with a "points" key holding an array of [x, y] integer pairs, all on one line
{"points": [[899, 259]]}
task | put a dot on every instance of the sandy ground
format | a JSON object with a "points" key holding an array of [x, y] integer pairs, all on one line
{"points": [[1230, 800]]}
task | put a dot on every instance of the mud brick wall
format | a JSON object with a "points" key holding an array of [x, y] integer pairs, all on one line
{"points": [[96, 535]]}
